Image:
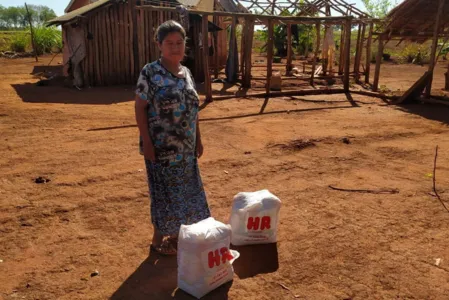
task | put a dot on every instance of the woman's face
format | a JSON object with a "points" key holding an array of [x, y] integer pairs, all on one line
{"points": [[173, 47]]}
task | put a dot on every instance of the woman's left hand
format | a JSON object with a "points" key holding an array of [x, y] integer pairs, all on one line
{"points": [[199, 148]]}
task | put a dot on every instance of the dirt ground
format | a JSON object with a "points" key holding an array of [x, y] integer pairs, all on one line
{"points": [[93, 214]]}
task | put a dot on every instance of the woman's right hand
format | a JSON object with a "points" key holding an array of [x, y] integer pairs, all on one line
{"points": [[148, 151]]}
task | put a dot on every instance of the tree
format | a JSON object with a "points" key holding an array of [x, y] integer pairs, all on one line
{"points": [[379, 8], [16, 17], [41, 13]]}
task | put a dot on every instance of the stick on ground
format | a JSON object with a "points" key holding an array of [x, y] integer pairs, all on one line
{"points": [[378, 191], [434, 179]]}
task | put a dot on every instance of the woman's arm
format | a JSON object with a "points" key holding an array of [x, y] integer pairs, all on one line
{"points": [[142, 124]]}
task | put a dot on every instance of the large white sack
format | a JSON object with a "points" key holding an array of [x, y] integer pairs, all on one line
{"points": [[204, 258], [255, 218]]}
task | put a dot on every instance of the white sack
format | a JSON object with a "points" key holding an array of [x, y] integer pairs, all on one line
{"points": [[254, 218], [204, 258]]}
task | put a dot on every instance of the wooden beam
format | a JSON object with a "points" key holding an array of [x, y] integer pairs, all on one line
{"points": [[261, 17], [304, 93], [347, 54], [289, 49], [368, 52], [380, 51], [269, 54], [317, 49], [207, 81], [434, 47]]}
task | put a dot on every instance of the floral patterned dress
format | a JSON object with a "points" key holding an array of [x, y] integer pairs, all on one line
{"points": [[176, 190]]}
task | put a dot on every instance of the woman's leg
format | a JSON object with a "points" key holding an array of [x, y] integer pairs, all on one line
{"points": [[157, 237], [163, 244]]}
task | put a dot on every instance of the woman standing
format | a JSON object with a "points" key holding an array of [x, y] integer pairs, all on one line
{"points": [[167, 116]]}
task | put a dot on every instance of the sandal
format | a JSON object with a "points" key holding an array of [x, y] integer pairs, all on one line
{"points": [[174, 242], [165, 248]]}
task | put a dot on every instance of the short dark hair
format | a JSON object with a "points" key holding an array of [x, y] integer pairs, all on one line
{"points": [[168, 27]]}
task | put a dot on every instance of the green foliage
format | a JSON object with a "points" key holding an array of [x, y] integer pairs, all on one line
{"points": [[305, 40], [16, 17], [47, 39], [20, 42], [379, 8]]}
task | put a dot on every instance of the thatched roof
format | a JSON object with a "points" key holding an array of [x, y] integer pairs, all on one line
{"points": [[415, 20]]}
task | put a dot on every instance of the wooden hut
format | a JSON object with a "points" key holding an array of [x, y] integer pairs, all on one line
{"points": [[107, 42], [416, 21]]}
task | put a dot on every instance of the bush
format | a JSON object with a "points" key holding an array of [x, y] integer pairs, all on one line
{"points": [[414, 53], [47, 39], [20, 42]]}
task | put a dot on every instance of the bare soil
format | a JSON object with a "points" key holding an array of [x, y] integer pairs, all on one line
{"points": [[84, 233]]}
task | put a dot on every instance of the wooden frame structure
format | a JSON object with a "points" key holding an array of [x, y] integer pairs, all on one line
{"points": [[317, 13], [416, 21]]}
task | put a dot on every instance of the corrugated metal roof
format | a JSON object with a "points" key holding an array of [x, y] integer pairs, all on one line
{"points": [[77, 12]]}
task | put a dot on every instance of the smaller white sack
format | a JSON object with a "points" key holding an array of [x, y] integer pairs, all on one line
{"points": [[204, 258], [254, 218]]}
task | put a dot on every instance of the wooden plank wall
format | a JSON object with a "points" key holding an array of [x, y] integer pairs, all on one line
{"points": [[109, 58]]}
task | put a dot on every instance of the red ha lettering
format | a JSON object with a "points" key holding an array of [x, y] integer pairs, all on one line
{"points": [[216, 257], [253, 223]]}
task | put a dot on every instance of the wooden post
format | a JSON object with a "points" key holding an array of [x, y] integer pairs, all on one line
{"points": [[231, 52], [133, 41], [347, 54], [248, 52], [359, 50], [135, 38], [104, 47], [97, 40], [216, 55], [342, 51], [269, 54], [121, 46], [433, 58], [207, 81], [32, 32], [368, 52], [152, 43], [242, 47], [380, 51], [446, 86], [317, 49], [108, 50], [289, 50]]}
